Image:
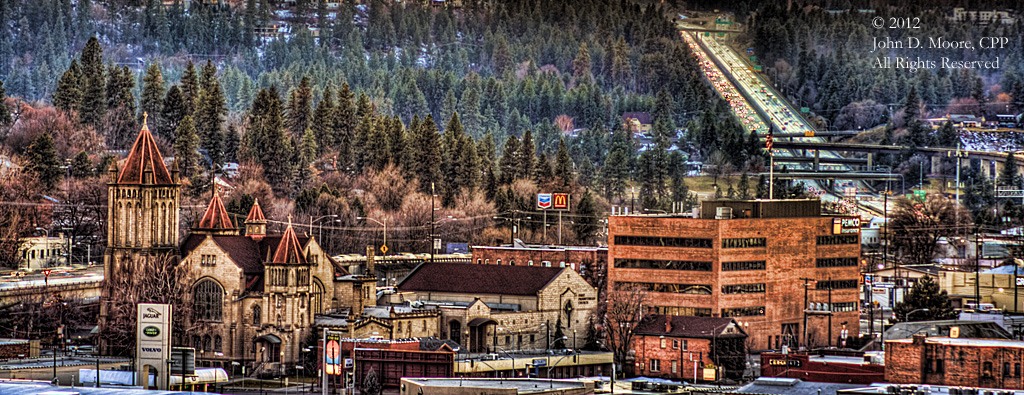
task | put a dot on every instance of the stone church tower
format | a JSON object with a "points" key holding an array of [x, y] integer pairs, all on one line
{"points": [[142, 207]]}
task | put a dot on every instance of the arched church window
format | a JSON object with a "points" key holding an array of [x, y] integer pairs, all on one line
{"points": [[208, 299]]}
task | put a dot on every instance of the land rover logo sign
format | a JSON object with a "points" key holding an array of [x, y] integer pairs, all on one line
{"points": [[151, 331]]}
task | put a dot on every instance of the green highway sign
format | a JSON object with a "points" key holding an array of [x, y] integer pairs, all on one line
{"points": [[753, 58], [757, 67], [805, 110]]}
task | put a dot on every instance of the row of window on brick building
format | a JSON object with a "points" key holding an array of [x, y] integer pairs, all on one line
{"points": [[739, 242]]}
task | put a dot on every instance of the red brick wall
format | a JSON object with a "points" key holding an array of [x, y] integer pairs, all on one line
{"points": [[908, 363], [648, 347], [790, 253]]}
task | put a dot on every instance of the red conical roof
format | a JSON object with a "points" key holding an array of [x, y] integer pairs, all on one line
{"points": [[289, 250], [144, 156], [256, 213], [216, 216]]}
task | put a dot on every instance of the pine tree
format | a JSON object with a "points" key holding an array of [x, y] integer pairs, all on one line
{"points": [[298, 109], [43, 161], [93, 103], [509, 162], [81, 166], [451, 143], [543, 174], [186, 148], [266, 140], [323, 120], [232, 143], [173, 111], [152, 94], [189, 88], [208, 118], [426, 154], [585, 225], [307, 155], [1009, 176], [947, 136], [344, 126], [926, 296], [912, 105], [68, 96], [581, 65], [469, 165], [743, 188], [527, 154], [563, 165]]}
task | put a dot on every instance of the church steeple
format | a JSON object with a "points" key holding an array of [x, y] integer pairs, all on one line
{"points": [[216, 218], [289, 250], [256, 223]]}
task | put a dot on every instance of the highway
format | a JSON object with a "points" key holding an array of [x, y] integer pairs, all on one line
{"points": [[767, 105]]}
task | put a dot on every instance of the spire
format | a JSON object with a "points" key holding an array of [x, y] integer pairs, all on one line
{"points": [[144, 156], [216, 216], [256, 223], [289, 250], [256, 213]]}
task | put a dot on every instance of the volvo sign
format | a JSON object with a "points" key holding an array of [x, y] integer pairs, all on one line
{"points": [[153, 342]]}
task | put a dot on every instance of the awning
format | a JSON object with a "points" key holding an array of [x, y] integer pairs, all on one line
{"points": [[269, 338], [482, 321]]}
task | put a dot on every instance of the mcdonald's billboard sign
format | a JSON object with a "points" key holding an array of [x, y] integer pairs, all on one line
{"points": [[560, 201]]}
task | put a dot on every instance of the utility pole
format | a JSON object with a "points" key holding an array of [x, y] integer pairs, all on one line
{"points": [[431, 222], [977, 266], [807, 281]]}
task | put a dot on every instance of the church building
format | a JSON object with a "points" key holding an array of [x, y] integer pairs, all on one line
{"points": [[254, 294]]}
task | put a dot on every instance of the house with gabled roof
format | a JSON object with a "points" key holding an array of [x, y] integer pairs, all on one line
{"points": [[485, 308]]}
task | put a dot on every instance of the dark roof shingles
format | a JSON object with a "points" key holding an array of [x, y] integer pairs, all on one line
{"points": [[478, 279]]}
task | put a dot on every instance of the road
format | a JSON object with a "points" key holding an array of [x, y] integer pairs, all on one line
{"points": [[778, 112]]}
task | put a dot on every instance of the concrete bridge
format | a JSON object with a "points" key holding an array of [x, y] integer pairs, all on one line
{"points": [[991, 162]]}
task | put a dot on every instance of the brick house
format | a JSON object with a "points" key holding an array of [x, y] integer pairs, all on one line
{"points": [[485, 308], [746, 265], [679, 347], [989, 363]]}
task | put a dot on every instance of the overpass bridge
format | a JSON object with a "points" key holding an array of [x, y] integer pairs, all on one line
{"points": [[85, 287], [992, 162]]}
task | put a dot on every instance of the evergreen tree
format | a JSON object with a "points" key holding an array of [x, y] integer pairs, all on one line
{"points": [[232, 143], [925, 295], [189, 88], [426, 154], [451, 143], [581, 65], [558, 341], [186, 148], [344, 125], [43, 161], [68, 96], [172, 112], [912, 105], [151, 101], [563, 165], [1009, 176], [509, 163], [266, 140], [543, 174], [743, 188], [585, 225], [93, 103], [587, 172], [298, 109], [762, 187], [81, 166], [396, 141], [323, 121], [947, 136], [615, 172], [307, 155], [527, 154], [209, 122], [5, 113]]}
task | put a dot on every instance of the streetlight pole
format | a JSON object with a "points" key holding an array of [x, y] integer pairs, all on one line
{"points": [[906, 317], [317, 219], [385, 225]]}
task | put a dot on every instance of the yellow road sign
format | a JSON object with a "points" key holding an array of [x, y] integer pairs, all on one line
{"points": [[383, 249]]}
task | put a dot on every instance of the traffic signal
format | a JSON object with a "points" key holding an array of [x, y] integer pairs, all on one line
{"points": [[350, 379]]}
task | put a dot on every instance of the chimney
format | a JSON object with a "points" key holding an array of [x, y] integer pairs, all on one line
{"points": [[668, 324], [370, 269], [919, 339]]}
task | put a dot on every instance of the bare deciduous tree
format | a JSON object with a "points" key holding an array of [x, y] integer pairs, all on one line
{"points": [[916, 227], [623, 314], [152, 279]]}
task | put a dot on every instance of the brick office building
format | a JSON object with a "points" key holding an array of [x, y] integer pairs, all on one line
{"points": [[988, 363], [747, 264], [680, 347]]}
